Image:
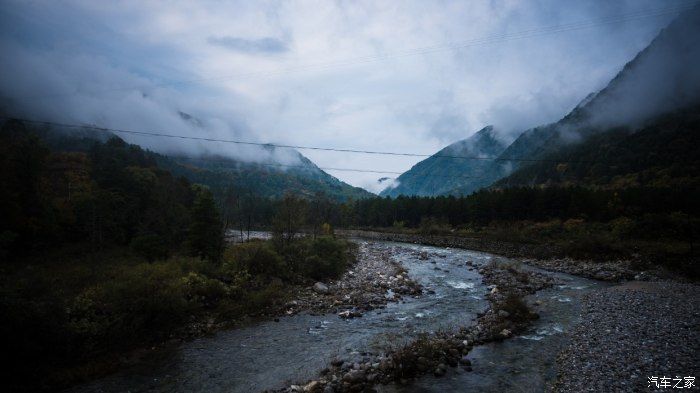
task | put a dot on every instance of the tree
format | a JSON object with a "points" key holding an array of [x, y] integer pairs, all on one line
{"points": [[206, 237], [290, 217]]}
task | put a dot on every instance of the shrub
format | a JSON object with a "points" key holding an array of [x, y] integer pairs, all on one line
{"points": [[203, 290], [150, 246], [143, 303], [254, 258], [517, 309]]}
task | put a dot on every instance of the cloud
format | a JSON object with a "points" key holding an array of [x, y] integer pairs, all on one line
{"points": [[266, 45], [355, 76]]}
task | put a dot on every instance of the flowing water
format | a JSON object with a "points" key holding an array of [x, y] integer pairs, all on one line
{"points": [[269, 355]]}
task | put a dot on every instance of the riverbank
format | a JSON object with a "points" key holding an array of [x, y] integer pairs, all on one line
{"points": [[540, 255], [632, 332], [434, 353], [375, 279]]}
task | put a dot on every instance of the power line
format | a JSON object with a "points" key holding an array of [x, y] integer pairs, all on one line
{"points": [[486, 40], [283, 146], [309, 167]]}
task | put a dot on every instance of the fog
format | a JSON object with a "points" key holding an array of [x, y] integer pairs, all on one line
{"points": [[332, 74]]}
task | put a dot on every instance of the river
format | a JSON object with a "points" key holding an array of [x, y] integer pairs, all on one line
{"points": [[272, 354]]}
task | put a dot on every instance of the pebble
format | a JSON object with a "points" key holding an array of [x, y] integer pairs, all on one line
{"points": [[631, 332]]}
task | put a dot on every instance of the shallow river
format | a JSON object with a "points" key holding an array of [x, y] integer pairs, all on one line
{"points": [[271, 354]]}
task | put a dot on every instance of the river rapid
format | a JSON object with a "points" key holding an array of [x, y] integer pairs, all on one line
{"points": [[272, 355]]}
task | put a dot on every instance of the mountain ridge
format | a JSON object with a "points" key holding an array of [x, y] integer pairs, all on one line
{"points": [[485, 143]]}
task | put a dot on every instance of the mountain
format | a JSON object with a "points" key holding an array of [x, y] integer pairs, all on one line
{"points": [[266, 177], [663, 153], [441, 172], [661, 79]]}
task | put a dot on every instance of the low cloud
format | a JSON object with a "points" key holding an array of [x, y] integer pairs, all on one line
{"points": [[266, 45], [353, 78]]}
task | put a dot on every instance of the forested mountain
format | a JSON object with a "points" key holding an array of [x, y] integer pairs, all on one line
{"points": [[441, 173], [660, 80], [265, 177], [112, 193], [661, 154]]}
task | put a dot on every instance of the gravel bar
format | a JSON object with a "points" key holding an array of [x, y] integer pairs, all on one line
{"points": [[629, 333]]}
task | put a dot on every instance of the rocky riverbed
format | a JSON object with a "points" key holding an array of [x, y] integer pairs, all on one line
{"points": [[373, 281], [631, 332], [533, 254], [434, 353]]}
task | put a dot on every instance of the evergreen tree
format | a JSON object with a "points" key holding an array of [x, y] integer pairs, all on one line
{"points": [[206, 231]]}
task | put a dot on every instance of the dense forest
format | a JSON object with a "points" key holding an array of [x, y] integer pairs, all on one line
{"points": [[112, 194], [105, 252], [662, 153]]}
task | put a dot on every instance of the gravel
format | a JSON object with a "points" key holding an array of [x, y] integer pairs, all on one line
{"points": [[631, 332], [371, 283]]}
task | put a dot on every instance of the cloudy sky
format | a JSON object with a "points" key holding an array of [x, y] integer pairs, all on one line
{"points": [[403, 76]]}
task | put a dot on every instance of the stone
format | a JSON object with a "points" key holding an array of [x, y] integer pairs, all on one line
{"points": [[440, 370], [312, 387], [465, 361], [321, 288], [503, 313], [337, 362], [349, 314], [354, 376], [505, 333]]}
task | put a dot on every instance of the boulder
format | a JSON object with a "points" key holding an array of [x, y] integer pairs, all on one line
{"points": [[312, 387], [440, 370], [321, 288], [354, 376]]}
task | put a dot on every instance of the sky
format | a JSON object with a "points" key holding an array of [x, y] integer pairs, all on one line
{"points": [[400, 76]]}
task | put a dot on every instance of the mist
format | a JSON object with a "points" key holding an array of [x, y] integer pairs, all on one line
{"points": [[330, 75], [663, 78]]}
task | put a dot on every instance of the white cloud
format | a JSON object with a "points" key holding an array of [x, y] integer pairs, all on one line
{"points": [[350, 74]]}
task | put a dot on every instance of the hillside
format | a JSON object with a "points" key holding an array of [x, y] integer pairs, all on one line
{"points": [[661, 154], [441, 173], [265, 178], [660, 79]]}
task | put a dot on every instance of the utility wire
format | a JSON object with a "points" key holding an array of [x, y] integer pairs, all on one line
{"points": [[283, 146], [486, 40], [308, 167]]}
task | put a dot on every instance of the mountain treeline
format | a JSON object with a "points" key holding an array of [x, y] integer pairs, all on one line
{"points": [[105, 252], [110, 194], [523, 203]]}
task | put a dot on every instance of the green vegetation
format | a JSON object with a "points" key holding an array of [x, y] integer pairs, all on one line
{"points": [[105, 252], [63, 313], [649, 225]]}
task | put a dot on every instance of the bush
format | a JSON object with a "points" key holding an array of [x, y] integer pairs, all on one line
{"points": [[318, 259], [254, 258], [143, 303], [517, 309], [203, 290], [150, 246]]}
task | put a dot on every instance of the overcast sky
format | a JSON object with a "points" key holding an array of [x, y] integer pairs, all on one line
{"points": [[404, 76]]}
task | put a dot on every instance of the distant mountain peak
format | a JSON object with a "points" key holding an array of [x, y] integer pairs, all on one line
{"points": [[453, 166]]}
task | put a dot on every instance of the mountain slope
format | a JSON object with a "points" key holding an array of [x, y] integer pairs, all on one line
{"points": [[265, 178], [439, 173], [660, 79], [661, 154]]}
